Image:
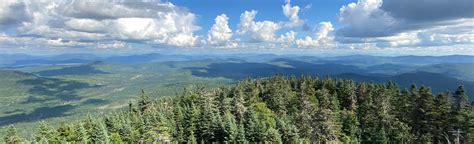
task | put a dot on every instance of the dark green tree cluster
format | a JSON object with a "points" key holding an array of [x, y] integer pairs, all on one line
{"points": [[280, 110]]}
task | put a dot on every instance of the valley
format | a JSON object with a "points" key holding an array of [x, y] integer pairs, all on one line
{"points": [[60, 91]]}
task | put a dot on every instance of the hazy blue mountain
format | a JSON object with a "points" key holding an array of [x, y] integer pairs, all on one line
{"points": [[403, 60], [45, 62], [437, 82], [463, 71], [390, 69], [88, 69], [358, 60], [434, 59], [240, 70]]}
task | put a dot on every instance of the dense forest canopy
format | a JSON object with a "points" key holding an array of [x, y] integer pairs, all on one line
{"points": [[279, 109]]}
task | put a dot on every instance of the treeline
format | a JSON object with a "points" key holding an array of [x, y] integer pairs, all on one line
{"points": [[279, 110]]}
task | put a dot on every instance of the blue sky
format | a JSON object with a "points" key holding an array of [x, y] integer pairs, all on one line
{"points": [[338, 27], [314, 10]]}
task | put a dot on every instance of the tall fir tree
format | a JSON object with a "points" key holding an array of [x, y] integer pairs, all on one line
{"points": [[99, 133], [424, 112], [45, 134], [11, 136], [325, 123], [462, 115], [441, 116]]}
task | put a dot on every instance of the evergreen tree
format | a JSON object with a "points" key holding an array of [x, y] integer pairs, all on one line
{"points": [[240, 138], [192, 138], [279, 110], [306, 109], [191, 116], [81, 134], [272, 136], [99, 133], [462, 115], [230, 128], [326, 126], [11, 136], [347, 94], [65, 132], [144, 102], [350, 126], [207, 118], [424, 116], [253, 129], [45, 134], [239, 108], [367, 114], [178, 133], [441, 116], [116, 138]]}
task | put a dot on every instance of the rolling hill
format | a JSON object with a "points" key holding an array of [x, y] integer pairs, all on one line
{"points": [[58, 92]]}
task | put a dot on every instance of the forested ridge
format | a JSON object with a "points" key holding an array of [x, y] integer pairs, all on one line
{"points": [[278, 109]]}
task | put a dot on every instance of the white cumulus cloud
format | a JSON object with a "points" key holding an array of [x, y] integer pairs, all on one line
{"points": [[259, 31], [220, 34], [149, 22], [291, 12], [65, 43], [364, 18], [113, 45], [321, 37], [407, 23]]}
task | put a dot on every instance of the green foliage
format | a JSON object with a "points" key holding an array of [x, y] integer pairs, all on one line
{"points": [[278, 110], [11, 136]]}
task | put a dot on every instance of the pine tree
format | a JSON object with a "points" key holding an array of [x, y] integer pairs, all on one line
{"points": [[81, 134], [306, 109], [366, 114], [347, 94], [403, 105], [190, 119], [325, 123], [441, 116], [275, 96], [207, 118], [240, 138], [11, 136], [99, 133], [252, 127], [423, 122], [288, 131], [144, 102], [116, 138], [111, 124], [272, 136], [469, 136], [414, 96], [350, 126], [163, 128], [238, 103], [124, 129], [462, 114], [230, 128], [65, 132], [45, 134], [217, 128], [178, 133], [280, 110]]}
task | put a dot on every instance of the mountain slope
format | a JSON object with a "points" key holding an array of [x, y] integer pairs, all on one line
{"points": [[462, 71], [437, 82]]}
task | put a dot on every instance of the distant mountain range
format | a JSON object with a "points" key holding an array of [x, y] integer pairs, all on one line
{"points": [[14, 60], [440, 72]]}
